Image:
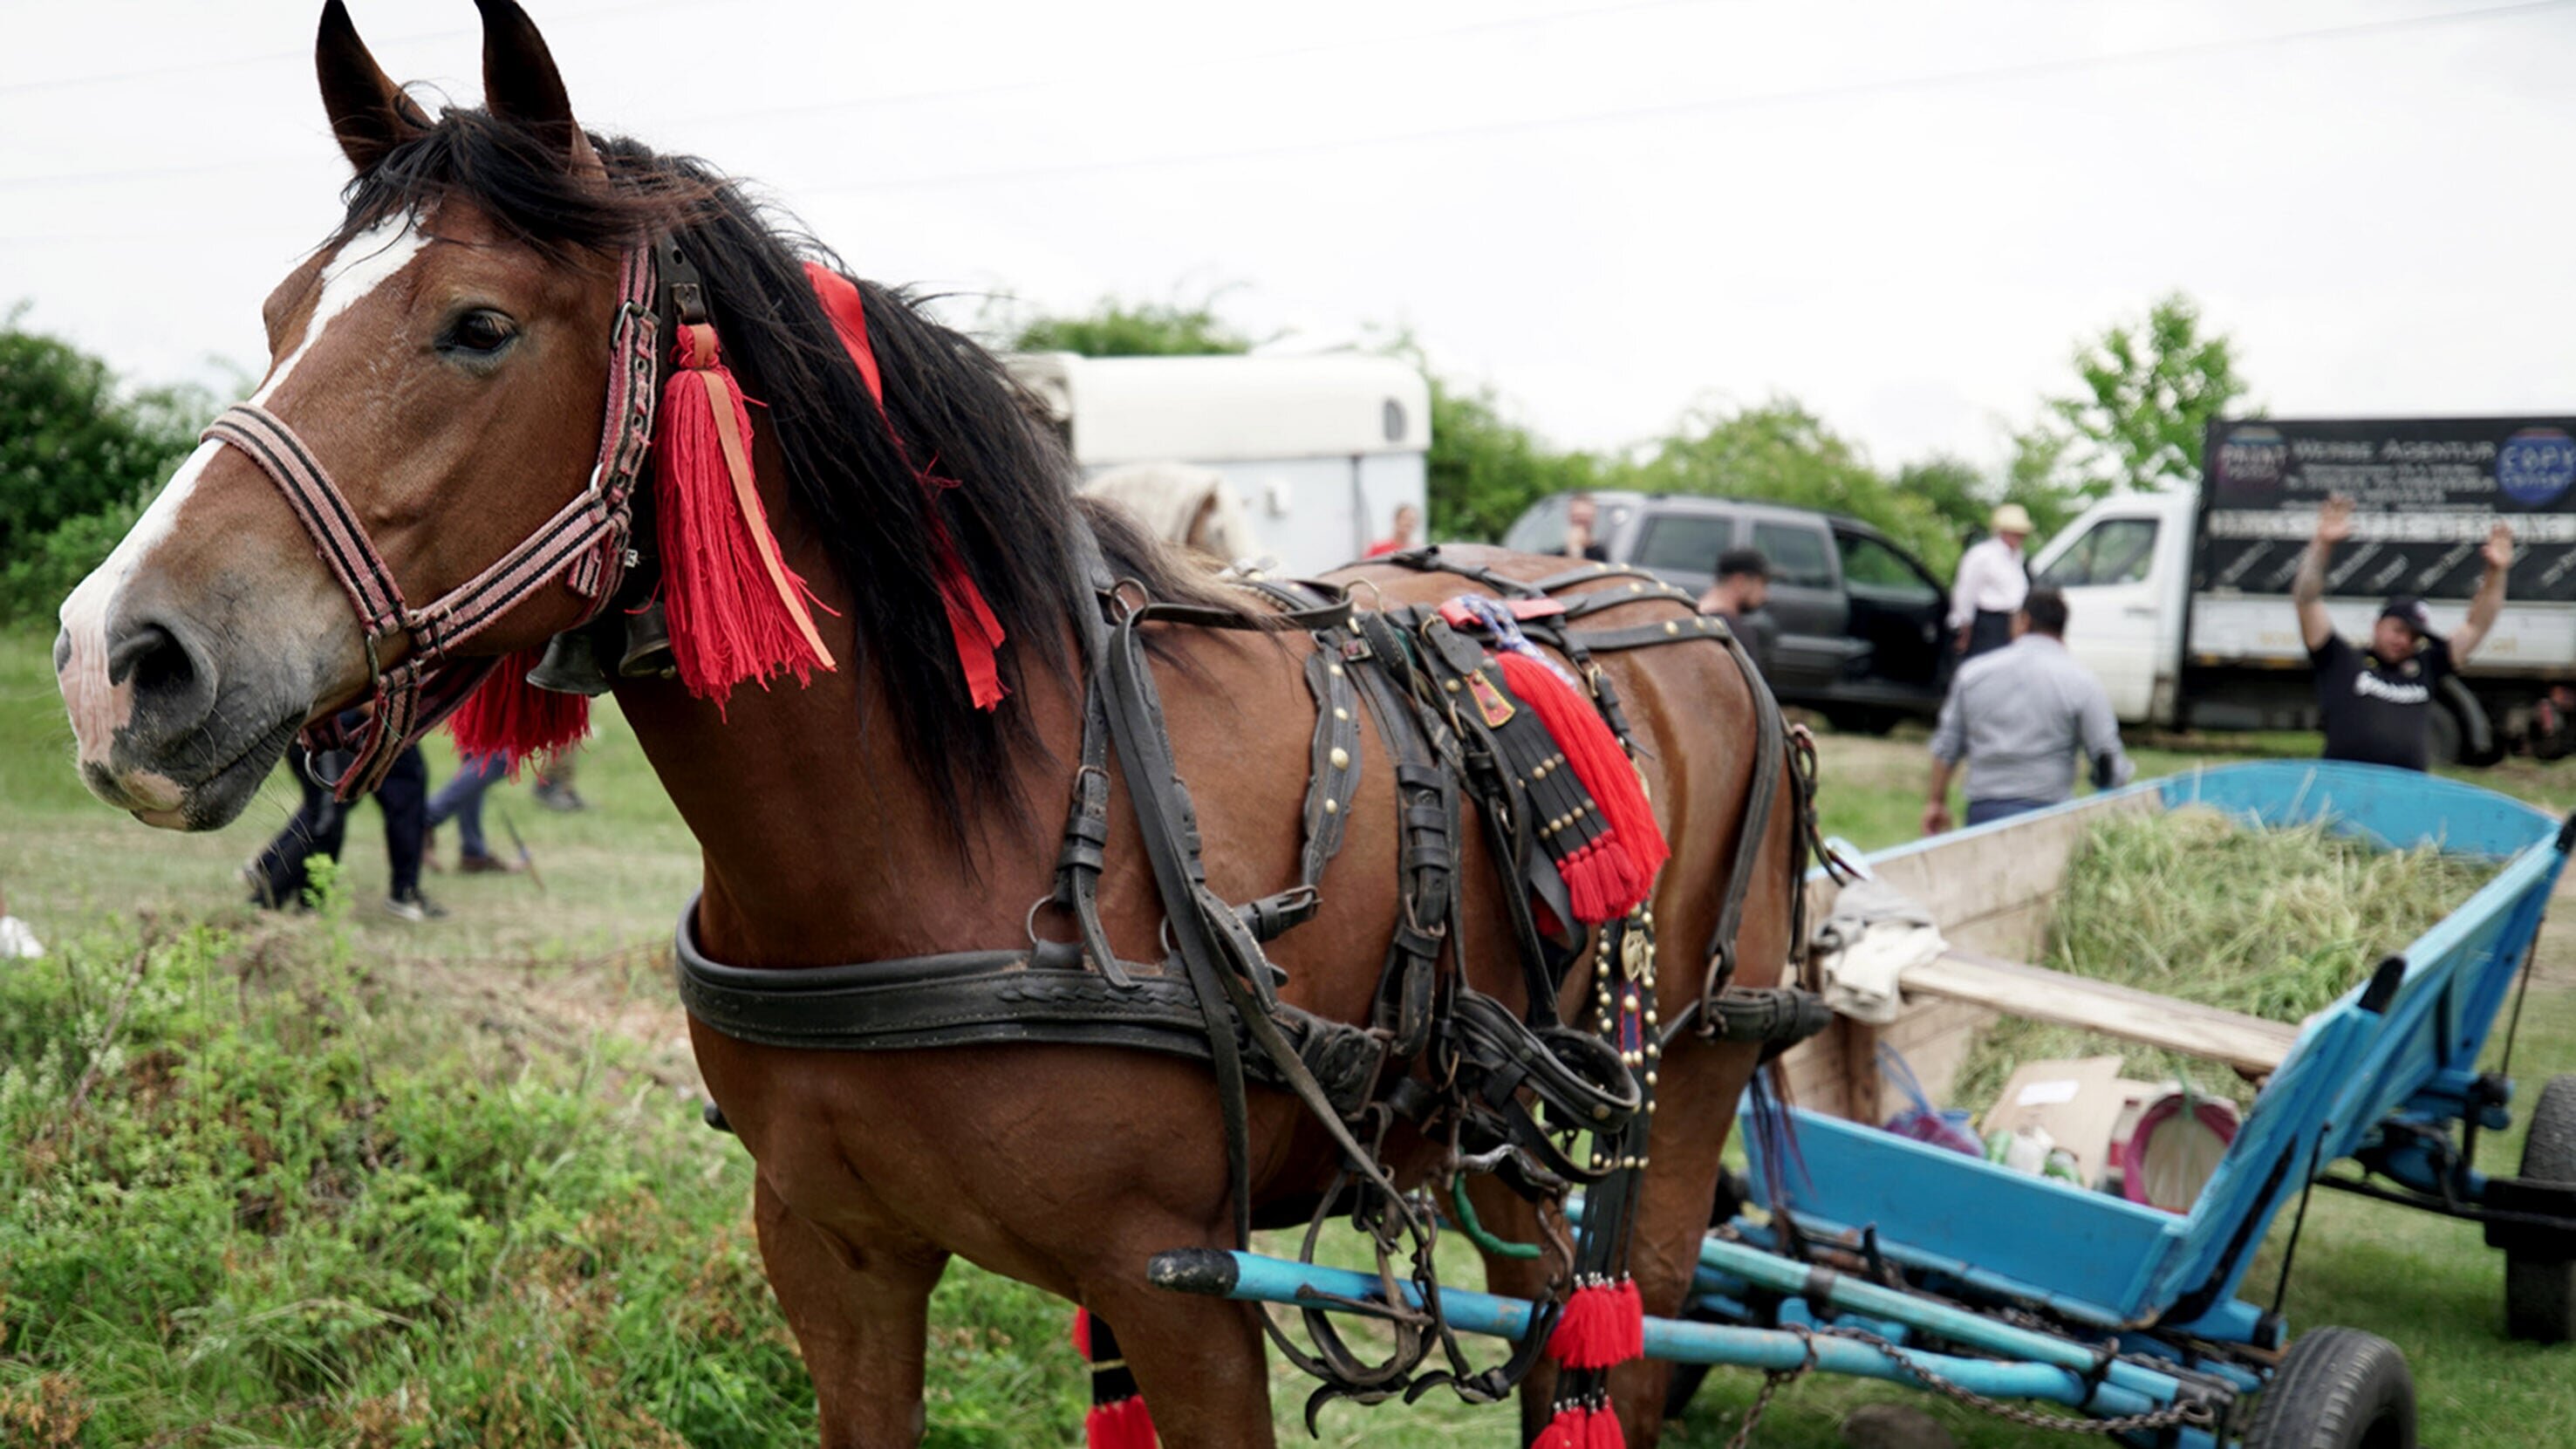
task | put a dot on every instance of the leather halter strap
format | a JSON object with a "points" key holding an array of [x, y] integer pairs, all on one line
{"points": [[584, 543]]}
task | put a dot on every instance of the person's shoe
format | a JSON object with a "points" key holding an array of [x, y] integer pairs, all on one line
{"points": [[556, 796], [414, 907], [485, 865]]}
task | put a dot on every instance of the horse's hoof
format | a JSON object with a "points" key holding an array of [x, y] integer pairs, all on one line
{"points": [[1894, 1426]]}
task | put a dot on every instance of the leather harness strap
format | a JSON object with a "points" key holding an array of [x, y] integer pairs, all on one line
{"points": [[584, 545]]}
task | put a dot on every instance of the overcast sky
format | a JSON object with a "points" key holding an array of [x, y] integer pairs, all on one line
{"points": [[1902, 214]]}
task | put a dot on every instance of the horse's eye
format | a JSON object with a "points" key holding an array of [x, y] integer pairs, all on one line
{"points": [[480, 334]]}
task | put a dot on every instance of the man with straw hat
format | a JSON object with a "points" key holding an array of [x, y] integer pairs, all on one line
{"points": [[1992, 582]]}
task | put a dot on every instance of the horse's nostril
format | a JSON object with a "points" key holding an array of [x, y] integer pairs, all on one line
{"points": [[162, 670]]}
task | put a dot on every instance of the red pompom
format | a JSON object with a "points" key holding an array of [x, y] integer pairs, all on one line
{"points": [[1613, 873], [1603, 1324], [1125, 1424], [1565, 1431], [736, 611], [1582, 1427], [509, 717]]}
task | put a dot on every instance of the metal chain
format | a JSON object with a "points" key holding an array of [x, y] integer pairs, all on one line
{"points": [[1773, 1382], [2193, 1412]]}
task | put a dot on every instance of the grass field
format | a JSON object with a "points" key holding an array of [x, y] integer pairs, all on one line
{"points": [[337, 1180]]}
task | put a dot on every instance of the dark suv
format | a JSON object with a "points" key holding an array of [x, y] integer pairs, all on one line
{"points": [[1862, 623]]}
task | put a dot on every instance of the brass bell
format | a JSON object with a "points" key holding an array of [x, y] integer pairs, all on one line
{"points": [[648, 645], [570, 666]]}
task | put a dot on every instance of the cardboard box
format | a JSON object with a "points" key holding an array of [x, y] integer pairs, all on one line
{"points": [[2077, 1102]]}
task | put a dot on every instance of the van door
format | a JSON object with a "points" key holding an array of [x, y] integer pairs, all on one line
{"points": [[2108, 578], [1807, 600]]}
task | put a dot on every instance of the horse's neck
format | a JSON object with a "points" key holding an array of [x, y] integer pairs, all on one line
{"points": [[821, 843]]}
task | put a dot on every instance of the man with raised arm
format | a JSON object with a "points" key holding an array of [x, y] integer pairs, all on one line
{"points": [[2377, 704]]}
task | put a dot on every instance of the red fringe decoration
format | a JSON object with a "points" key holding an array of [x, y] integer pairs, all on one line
{"points": [[736, 611], [972, 629], [1082, 1332], [1581, 1427], [1615, 872], [1125, 1424], [1603, 1324], [509, 717]]}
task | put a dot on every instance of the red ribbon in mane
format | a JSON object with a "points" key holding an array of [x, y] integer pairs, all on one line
{"points": [[970, 619]]}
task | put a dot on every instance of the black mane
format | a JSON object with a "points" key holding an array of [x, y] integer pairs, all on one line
{"points": [[958, 412]]}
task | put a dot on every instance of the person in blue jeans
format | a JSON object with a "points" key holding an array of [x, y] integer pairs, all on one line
{"points": [[2019, 717], [461, 800], [320, 826]]}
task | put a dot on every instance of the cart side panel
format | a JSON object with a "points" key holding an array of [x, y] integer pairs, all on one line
{"points": [[2059, 1239]]}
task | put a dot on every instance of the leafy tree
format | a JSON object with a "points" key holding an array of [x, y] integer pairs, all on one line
{"points": [[1953, 487], [1781, 451], [69, 443], [2037, 478], [1120, 328], [2148, 393], [1484, 468]]}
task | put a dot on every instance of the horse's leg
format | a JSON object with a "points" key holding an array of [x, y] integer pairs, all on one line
{"points": [[1198, 1362], [861, 1313], [1512, 1218]]}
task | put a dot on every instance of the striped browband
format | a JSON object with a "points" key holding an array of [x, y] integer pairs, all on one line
{"points": [[585, 544]]}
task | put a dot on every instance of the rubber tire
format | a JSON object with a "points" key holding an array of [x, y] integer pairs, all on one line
{"points": [[2540, 1293], [2339, 1388]]}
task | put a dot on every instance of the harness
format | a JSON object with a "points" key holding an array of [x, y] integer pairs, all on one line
{"points": [[1504, 1091], [585, 545]]}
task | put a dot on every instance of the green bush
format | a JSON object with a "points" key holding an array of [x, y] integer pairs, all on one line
{"points": [[243, 1207], [34, 583]]}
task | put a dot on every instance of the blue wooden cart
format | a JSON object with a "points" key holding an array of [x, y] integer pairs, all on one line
{"points": [[1891, 1259]]}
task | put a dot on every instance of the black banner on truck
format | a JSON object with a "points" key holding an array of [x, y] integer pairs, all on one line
{"points": [[2426, 490]]}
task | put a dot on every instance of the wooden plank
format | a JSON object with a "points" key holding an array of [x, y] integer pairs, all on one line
{"points": [[2247, 1043]]}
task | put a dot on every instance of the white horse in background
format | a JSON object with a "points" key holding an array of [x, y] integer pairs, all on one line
{"points": [[1185, 504]]}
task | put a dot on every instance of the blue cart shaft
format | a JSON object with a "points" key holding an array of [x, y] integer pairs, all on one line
{"points": [[1254, 1278], [1751, 1265]]}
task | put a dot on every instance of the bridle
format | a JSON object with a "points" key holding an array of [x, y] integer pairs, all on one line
{"points": [[585, 544]]}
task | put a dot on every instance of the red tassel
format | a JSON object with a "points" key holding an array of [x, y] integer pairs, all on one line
{"points": [[736, 611], [1632, 1321], [972, 629], [509, 717], [1601, 1431], [1603, 1324], [1565, 1431], [1082, 1332], [1615, 872], [1126, 1424]]}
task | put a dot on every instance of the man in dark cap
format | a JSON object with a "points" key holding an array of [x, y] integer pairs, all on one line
{"points": [[2377, 703], [1743, 587]]}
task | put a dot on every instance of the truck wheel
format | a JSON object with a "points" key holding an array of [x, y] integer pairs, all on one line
{"points": [[2445, 749], [2339, 1388], [2540, 1292]]}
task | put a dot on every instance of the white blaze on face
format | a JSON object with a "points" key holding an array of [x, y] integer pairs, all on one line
{"points": [[97, 707]]}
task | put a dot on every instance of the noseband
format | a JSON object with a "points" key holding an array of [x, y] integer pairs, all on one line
{"points": [[585, 543]]}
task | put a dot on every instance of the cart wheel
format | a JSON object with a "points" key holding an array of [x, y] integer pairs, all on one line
{"points": [[2540, 1292], [2340, 1388]]}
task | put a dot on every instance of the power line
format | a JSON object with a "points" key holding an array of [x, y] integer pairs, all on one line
{"points": [[1855, 90], [270, 57], [809, 108]]}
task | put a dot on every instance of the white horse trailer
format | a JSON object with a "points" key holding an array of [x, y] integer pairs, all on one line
{"points": [[1319, 450]]}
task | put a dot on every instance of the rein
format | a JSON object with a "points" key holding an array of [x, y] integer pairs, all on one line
{"points": [[585, 543]]}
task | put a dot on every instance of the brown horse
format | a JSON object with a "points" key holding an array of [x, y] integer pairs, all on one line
{"points": [[444, 356]]}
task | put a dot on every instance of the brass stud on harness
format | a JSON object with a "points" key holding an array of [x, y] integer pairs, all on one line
{"points": [[1331, 806], [1339, 757], [1672, 626], [1340, 713]]}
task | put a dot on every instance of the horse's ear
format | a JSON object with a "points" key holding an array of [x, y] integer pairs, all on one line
{"points": [[369, 113], [522, 86]]}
